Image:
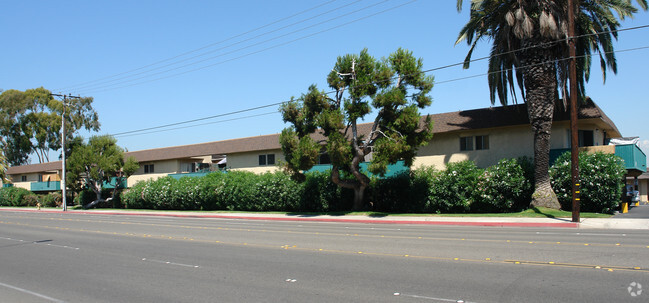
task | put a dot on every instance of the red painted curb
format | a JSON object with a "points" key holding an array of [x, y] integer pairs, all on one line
{"points": [[333, 220]]}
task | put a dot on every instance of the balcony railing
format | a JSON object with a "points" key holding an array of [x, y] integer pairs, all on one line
{"points": [[45, 186], [393, 169], [634, 158], [194, 174]]}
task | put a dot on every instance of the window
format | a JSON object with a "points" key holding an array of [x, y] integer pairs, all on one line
{"points": [[324, 159], [23, 178], [148, 169], [268, 159], [466, 143], [586, 138], [481, 142]]}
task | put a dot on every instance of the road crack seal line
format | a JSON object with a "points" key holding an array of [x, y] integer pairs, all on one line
{"points": [[609, 268]]}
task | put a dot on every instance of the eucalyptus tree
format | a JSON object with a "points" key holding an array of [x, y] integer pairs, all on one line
{"points": [[395, 87], [30, 122], [530, 50]]}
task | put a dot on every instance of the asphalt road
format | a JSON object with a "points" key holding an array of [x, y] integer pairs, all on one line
{"points": [[62, 257]]}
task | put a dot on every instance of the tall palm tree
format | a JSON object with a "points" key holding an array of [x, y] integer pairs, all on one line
{"points": [[3, 162], [530, 48]]}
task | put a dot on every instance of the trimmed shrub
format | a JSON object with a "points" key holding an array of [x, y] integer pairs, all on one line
{"points": [[53, 199], [602, 180], [503, 187], [276, 192], [320, 194], [405, 192], [16, 196], [452, 188]]}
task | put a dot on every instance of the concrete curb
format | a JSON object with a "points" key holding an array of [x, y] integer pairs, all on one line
{"points": [[449, 221]]}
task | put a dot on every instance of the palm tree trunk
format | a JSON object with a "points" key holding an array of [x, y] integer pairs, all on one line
{"points": [[540, 81]]}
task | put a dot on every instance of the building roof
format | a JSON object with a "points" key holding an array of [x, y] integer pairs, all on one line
{"points": [[34, 168], [512, 115], [492, 117], [266, 142]]}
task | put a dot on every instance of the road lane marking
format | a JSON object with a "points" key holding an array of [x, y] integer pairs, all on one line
{"points": [[29, 292], [170, 263], [357, 235], [431, 298], [609, 268], [40, 242]]}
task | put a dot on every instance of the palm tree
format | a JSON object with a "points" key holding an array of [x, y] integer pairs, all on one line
{"points": [[530, 47], [3, 162]]}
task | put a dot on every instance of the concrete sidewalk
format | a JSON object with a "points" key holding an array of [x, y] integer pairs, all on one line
{"points": [[588, 223]]}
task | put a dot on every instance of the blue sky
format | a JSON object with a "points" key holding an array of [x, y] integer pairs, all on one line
{"points": [[152, 63]]}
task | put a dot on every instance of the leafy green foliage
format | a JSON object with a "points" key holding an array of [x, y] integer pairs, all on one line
{"points": [[97, 163], [460, 188], [452, 189], [395, 87], [503, 187], [53, 199], [602, 181], [30, 122], [16, 196]]}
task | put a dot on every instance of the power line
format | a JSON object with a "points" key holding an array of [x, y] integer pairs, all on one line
{"points": [[330, 92], [109, 87], [104, 84], [203, 47], [200, 119], [196, 125]]}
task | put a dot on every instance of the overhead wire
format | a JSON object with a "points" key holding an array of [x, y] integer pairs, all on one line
{"points": [[203, 47], [104, 84], [425, 71], [330, 92], [110, 87]]}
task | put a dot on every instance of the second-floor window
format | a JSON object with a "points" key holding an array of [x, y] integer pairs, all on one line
{"points": [[481, 142], [466, 143], [471, 143], [148, 168], [268, 159]]}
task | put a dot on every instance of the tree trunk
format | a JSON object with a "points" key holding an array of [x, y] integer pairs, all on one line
{"points": [[541, 94], [359, 198], [357, 186]]}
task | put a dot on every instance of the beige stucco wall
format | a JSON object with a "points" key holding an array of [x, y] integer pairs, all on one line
{"points": [[160, 168], [505, 142], [249, 161]]}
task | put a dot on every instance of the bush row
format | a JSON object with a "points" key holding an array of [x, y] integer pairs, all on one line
{"points": [[238, 190], [461, 187], [16, 196]]}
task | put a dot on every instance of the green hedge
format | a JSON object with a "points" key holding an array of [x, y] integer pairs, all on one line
{"points": [[16, 196], [460, 188], [602, 181], [238, 190]]}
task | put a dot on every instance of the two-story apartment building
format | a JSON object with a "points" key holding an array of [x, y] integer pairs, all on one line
{"points": [[482, 135]]}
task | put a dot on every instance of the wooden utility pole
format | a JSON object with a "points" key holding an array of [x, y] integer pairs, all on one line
{"points": [[574, 133]]}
